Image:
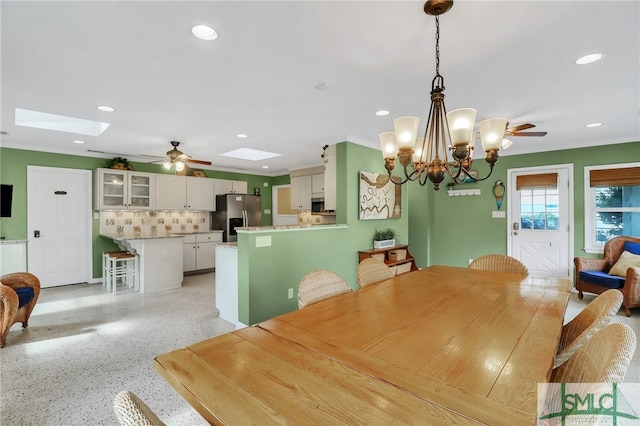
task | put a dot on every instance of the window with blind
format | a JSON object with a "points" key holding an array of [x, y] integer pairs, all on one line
{"points": [[538, 201], [612, 203]]}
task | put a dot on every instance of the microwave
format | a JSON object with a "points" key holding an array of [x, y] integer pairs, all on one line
{"points": [[317, 205]]}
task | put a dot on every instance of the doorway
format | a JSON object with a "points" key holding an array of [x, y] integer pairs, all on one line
{"points": [[59, 225], [540, 232], [282, 212]]}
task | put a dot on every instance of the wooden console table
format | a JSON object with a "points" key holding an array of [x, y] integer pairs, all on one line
{"points": [[403, 265]]}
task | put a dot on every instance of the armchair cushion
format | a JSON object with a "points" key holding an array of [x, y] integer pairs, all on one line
{"points": [[602, 278], [626, 261], [633, 248], [25, 295]]}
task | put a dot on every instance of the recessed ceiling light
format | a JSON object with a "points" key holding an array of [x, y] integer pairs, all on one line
{"points": [[382, 113], [204, 32], [105, 108], [587, 59], [265, 167], [594, 125], [77, 141], [241, 136]]}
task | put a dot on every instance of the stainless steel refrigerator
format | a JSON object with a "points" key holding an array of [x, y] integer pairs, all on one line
{"points": [[235, 211]]}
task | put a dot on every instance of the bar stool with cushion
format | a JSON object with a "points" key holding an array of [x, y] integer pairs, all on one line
{"points": [[122, 266], [371, 271], [603, 359], [499, 263], [320, 285], [586, 324]]}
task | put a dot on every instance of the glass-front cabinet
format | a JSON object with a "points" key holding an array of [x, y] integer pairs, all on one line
{"points": [[124, 189]]}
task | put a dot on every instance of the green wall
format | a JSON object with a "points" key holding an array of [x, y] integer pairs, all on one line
{"points": [[13, 170], [266, 273], [465, 227]]}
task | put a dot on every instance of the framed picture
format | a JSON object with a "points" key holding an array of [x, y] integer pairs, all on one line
{"points": [[197, 173], [380, 198]]}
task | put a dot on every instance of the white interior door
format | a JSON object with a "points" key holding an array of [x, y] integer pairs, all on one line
{"points": [[540, 231], [59, 225]]}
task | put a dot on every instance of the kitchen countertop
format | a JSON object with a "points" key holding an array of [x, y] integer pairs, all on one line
{"points": [[278, 228], [153, 235]]}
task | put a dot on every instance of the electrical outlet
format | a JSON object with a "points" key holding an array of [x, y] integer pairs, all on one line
{"points": [[290, 293]]}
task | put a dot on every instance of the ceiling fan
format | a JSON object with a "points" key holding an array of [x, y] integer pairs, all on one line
{"points": [[177, 158], [517, 130]]}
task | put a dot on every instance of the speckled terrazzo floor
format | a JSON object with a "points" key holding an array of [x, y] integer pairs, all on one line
{"points": [[83, 346]]}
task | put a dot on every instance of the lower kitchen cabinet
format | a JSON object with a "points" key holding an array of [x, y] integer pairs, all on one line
{"points": [[199, 251]]}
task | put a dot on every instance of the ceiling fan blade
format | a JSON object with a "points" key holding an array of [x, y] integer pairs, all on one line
{"points": [[520, 127], [528, 134], [191, 160]]}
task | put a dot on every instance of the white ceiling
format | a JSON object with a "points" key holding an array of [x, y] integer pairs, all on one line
{"points": [[511, 59]]}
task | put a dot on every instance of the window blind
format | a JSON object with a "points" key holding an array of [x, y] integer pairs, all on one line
{"points": [[629, 176], [542, 180]]}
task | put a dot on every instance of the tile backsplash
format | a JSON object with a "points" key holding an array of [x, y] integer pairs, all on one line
{"points": [[148, 221]]}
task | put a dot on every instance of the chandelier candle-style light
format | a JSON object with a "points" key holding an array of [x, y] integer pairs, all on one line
{"points": [[426, 157]]}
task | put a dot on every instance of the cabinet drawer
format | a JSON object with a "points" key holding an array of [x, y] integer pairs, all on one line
{"points": [[213, 237], [189, 239]]}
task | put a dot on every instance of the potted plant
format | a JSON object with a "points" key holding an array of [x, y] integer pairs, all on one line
{"points": [[384, 238], [119, 163]]}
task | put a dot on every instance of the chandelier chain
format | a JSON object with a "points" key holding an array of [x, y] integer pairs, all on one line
{"points": [[437, 45]]}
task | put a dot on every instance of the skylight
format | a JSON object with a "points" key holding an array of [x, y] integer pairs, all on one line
{"points": [[60, 123], [250, 154]]}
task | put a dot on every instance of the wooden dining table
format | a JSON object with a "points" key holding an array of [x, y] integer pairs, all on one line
{"points": [[441, 345]]}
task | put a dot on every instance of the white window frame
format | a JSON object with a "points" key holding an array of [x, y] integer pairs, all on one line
{"points": [[590, 206]]}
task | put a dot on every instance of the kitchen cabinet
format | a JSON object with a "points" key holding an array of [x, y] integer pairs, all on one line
{"points": [[301, 192], [317, 185], [199, 251], [184, 192], [13, 256], [330, 178], [124, 189], [226, 186]]}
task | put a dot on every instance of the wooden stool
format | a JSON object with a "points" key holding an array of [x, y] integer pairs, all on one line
{"points": [[120, 265]]}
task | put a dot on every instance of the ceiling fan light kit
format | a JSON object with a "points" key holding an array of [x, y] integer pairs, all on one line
{"points": [[178, 159], [426, 158]]}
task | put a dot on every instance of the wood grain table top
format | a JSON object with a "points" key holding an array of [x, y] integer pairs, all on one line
{"points": [[441, 345]]}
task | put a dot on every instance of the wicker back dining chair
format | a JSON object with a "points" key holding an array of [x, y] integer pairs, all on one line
{"points": [[371, 271], [131, 411], [586, 324], [319, 285], [603, 359], [499, 263]]}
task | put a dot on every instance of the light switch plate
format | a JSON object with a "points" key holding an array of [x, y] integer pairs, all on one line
{"points": [[267, 211], [498, 214], [263, 241]]}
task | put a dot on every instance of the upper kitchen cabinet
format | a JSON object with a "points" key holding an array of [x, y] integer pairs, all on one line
{"points": [[330, 178], [226, 186], [317, 185], [301, 192], [124, 189], [184, 192]]}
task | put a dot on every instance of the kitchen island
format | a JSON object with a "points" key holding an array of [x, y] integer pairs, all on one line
{"points": [[160, 258]]}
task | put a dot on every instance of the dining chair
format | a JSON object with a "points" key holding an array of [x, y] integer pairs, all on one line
{"points": [[131, 411], [603, 359], [586, 324], [319, 285], [499, 263], [371, 271]]}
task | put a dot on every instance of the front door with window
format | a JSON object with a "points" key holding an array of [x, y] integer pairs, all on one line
{"points": [[540, 233]]}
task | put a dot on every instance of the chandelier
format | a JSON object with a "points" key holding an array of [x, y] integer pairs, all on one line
{"points": [[426, 157]]}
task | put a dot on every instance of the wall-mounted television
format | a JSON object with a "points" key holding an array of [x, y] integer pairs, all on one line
{"points": [[6, 197]]}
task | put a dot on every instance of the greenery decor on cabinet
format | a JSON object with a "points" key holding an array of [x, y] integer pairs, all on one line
{"points": [[120, 163], [383, 238]]}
